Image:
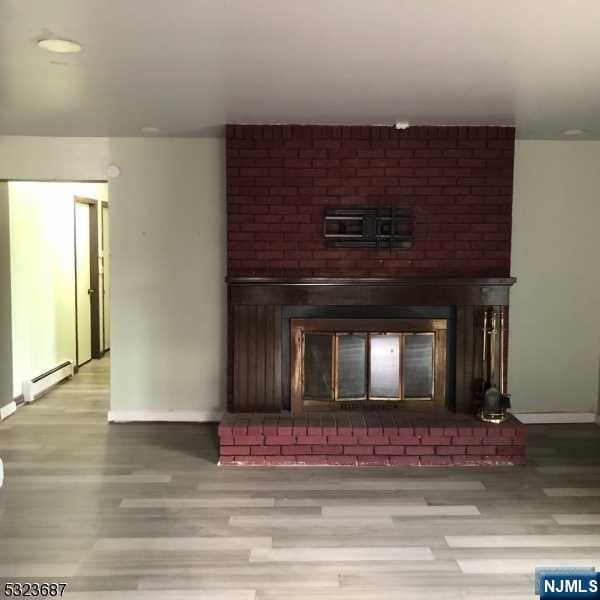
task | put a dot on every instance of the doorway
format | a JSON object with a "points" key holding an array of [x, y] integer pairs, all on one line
{"points": [[87, 281], [57, 249]]}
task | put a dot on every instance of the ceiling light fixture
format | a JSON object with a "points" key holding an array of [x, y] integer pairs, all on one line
{"points": [[150, 130], [573, 132], [60, 46], [402, 125]]}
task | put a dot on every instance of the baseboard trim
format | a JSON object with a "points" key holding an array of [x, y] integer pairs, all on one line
{"points": [[534, 418], [171, 416], [7, 410]]}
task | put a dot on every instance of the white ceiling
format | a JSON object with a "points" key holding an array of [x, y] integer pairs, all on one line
{"points": [[188, 66]]}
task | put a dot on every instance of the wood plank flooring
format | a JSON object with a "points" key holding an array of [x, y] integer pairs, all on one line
{"points": [[141, 511]]}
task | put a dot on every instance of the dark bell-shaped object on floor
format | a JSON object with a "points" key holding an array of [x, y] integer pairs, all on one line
{"points": [[495, 406]]}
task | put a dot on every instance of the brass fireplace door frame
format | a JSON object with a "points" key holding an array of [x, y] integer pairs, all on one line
{"points": [[437, 327]]}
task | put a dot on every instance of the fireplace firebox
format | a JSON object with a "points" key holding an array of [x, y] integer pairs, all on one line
{"points": [[365, 363]]}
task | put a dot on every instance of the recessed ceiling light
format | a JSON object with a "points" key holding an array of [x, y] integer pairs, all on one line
{"points": [[402, 125], [59, 46], [150, 130], [573, 132]]}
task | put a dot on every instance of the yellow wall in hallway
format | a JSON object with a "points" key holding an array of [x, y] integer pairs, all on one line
{"points": [[43, 274], [5, 312]]}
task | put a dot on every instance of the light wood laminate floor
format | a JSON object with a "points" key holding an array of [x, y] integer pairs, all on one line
{"points": [[141, 511]]}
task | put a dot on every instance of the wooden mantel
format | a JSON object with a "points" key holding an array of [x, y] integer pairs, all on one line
{"points": [[260, 291], [373, 280], [260, 309]]}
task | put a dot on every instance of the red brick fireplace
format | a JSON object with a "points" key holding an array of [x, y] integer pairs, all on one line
{"points": [[281, 178], [366, 237]]}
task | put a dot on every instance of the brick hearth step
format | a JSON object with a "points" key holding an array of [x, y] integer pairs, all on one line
{"points": [[353, 438]]}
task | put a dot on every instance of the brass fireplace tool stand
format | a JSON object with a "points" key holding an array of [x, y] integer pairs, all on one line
{"points": [[495, 402]]}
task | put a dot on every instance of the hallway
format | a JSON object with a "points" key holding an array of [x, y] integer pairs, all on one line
{"points": [[141, 511]]}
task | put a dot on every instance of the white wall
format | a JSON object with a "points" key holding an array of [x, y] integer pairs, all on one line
{"points": [[168, 263], [43, 274], [168, 269], [168, 251], [554, 317]]}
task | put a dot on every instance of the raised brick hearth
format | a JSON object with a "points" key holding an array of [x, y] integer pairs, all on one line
{"points": [[385, 438]]}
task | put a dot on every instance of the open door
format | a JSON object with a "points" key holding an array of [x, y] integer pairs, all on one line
{"points": [[87, 329]]}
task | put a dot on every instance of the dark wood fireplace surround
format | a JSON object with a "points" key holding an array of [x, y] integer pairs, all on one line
{"points": [[260, 427], [260, 310]]}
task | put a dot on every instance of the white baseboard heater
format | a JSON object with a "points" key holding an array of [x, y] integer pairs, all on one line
{"points": [[42, 383]]}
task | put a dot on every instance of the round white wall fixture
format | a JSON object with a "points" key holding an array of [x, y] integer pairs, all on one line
{"points": [[113, 171]]}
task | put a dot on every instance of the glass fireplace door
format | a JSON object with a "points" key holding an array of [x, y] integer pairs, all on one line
{"points": [[384, 366], [393, 366], [351, 367]]}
